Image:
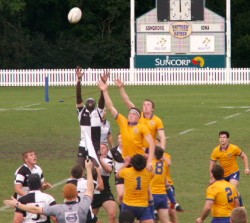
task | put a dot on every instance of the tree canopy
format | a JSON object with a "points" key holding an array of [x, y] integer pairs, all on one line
{"points": [[36, 34]]}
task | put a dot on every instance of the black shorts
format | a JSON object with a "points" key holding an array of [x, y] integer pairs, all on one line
{"points": [[82, 152], [99, 199], [119, 181]]}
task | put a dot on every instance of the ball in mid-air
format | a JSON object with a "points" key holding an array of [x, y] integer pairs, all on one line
{"points": [[74, 15]]}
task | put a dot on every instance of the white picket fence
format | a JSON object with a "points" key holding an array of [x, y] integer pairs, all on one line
{"points": [[161, 76]]}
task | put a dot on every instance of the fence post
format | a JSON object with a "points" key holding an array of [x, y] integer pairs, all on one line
{"points": [[46, 88]]}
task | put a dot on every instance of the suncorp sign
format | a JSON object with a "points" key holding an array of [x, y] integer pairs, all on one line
{"points": [[171, 62], [180, 61]]}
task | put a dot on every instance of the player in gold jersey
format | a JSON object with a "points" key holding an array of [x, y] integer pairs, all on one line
{"points": [[227, 153], [136, 188], [221, 198], [158, 185], [133, 133], [148, 118]]}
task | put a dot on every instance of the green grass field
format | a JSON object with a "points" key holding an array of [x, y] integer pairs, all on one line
{"points": [[193, 116]]}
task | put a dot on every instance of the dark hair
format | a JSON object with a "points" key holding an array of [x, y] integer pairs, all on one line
{"points": [[138, 161], [158, 152], [136, 110], [126, 216], [218, 172], [153, 104], [77, 171], [34, 181], [224, 133]]}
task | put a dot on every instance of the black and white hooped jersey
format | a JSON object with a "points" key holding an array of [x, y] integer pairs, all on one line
{"points": [[90, 124], [116, 154], [105, 176], [22, 174], [40, 199], [105, 131]]}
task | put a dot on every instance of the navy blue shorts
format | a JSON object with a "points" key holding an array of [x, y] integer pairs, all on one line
{"points": [[141, 213], [160, 201], [221, 220], [234, 176]]}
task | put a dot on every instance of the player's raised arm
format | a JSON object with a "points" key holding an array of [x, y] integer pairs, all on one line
{"points": [[104, 77], [109, 104], [124, 95], [79, 74]]}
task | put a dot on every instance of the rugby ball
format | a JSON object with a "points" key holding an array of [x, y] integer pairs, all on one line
{"points": [[74, 15]]}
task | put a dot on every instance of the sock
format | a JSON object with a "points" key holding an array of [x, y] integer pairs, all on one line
{"points": [[241, 201], [171, 195]]}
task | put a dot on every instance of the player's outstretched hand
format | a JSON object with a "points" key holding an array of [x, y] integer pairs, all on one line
{"points": [[105, 76], [88, 164], [79, 72], [119, 83], [11, 203]]}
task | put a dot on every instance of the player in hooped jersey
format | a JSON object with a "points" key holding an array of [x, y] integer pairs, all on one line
{"points": [[90, 119], [22, 173], [34, 197], [74, 209]]}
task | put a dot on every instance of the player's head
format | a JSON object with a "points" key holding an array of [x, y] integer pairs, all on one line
{"points": [[126, 217], [139, 162], [90, 104], [224, 138], [70, 191], [218, 172], [238, 215], [158, 152], [29, 157], [148, 106], [77, 171], [134, 115], [34, 181], [104, 149], [224, 133]]}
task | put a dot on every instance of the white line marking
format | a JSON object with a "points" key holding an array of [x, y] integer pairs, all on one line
{"points": [[29, 109], [234, 107], [248, 110], [186, 131], [211, 123], [232, 116], [24, 108], [54, 185]]}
